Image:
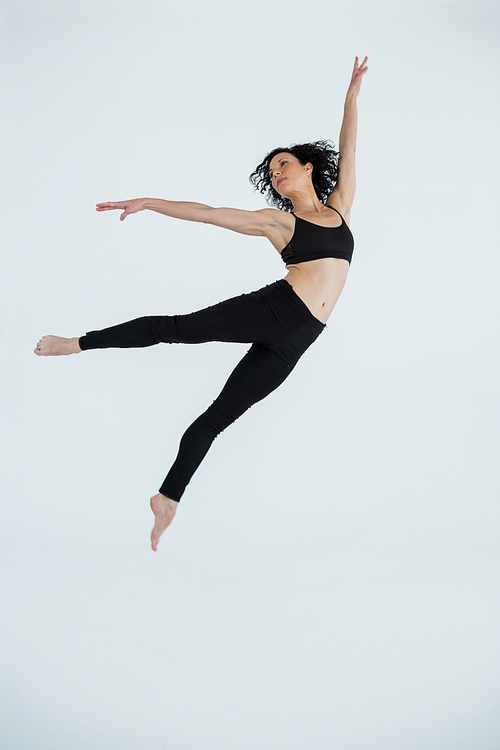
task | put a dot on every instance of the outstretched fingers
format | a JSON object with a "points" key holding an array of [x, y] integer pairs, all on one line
{"points": [[357, 76], [360, 68], [108, 206], [128, 207], [123, 206]]}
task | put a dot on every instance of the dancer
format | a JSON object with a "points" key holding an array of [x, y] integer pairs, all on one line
{"points": [[312, 187]]}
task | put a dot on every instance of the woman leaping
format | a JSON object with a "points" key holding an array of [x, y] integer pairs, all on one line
{"points": [[312, 187]]}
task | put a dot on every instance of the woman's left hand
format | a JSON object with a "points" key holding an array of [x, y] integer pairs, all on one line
{"points": [[357, 77]]}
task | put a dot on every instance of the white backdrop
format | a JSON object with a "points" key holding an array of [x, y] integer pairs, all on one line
{"points": [[330, 580]]}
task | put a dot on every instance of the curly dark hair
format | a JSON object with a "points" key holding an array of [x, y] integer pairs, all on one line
{"points": [[320, 154]]}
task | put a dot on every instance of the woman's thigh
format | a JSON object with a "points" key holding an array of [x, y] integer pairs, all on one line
{"points": [[263, 316]]}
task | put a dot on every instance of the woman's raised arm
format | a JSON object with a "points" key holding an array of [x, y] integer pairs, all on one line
{"points": [[348, 131], [345, 188]]}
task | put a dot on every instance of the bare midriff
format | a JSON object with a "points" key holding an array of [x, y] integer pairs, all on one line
{"points": [[318, 283]]}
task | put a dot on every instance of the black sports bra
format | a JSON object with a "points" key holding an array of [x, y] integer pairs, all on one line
{"points": [[311, 242]]}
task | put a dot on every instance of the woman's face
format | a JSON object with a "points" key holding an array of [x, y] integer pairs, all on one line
{"points": [[285, 171]]}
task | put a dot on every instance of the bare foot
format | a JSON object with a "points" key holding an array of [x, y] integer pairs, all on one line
{"points": [[164, 509], [49, 346]]}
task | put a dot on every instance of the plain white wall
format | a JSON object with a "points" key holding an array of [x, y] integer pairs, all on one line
{"points": [[331, 577]]}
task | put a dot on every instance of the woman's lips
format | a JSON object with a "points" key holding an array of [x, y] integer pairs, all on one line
{"points": [[280, 181]]}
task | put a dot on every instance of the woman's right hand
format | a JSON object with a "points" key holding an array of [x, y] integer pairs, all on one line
{"points": [[357, 77], [128, 207]]}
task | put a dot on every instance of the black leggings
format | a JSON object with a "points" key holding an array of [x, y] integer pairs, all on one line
{"points": [[277, 322]]}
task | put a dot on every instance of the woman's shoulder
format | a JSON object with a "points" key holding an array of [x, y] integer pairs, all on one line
{"points": [[277, 218]]}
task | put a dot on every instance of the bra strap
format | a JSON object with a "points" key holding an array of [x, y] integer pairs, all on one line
{"points": [[334, 209]]}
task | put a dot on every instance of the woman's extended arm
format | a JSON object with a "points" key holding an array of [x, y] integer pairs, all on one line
{"points": [[257, 223], [175, 209], [349, 129], [345, 188]]}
